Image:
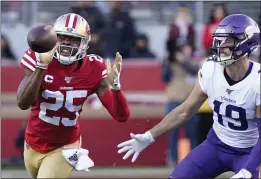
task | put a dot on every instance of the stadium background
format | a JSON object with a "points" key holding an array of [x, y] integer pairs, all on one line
{"points": [[141, 81]]}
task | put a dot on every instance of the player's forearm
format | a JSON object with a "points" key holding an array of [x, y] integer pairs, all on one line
{"points": [[28, 90], [120, 106], [182, 113], [170, 121], [116, 104]]}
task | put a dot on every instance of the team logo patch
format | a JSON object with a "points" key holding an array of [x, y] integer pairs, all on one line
{"points": [[68, 79], [229, 91], [239, 52], [74, 157]]}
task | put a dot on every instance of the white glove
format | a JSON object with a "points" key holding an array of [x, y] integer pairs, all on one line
{"points": [[114, 72], [137, 144], [243, 173]]}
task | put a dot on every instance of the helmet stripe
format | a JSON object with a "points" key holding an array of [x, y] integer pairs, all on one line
{"points": [[74, 21], [67, 20], [72, 16]]}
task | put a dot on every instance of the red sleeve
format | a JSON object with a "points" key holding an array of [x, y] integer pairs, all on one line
{"points": [[29, 60], [100, 65], [116, 104]]}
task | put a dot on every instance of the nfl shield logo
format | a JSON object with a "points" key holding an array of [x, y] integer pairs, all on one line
{"points": [[229, 91], [68, 79]]}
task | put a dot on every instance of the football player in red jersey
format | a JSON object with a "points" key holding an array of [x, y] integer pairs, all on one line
{"points": [[55, 86]]}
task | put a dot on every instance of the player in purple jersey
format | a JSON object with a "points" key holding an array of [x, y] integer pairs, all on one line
{"points": [[231, 83]]}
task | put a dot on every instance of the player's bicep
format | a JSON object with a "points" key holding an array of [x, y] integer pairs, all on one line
{"points": [[27, 74], [258, 111], [195, 100]]}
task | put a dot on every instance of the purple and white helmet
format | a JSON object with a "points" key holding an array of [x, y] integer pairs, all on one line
{"points": [[242, 30]]}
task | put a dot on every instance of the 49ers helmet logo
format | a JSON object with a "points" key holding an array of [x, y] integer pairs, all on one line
{"points": [[69, 29]]}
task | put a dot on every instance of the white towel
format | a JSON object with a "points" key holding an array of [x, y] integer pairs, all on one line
{"points": [[78, 158]]}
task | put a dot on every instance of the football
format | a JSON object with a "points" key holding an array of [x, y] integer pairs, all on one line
{"points": [[42, 38]]}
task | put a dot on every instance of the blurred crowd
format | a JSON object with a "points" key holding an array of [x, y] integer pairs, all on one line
{"points": [[113, 33], [117, 32]]}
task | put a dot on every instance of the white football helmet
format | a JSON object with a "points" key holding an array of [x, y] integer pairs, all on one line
{"points": [[72, 25]]}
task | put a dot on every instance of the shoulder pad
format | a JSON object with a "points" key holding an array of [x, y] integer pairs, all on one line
{"points": [[205, 73], [208, 66], [212, 58], [98, 63]]}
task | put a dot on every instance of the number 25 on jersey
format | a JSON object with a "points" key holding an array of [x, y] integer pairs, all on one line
{"points": [[61, 102]]}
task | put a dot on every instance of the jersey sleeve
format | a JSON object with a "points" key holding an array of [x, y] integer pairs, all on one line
{"points": [[99, 71], [100, 65], [205, 73], [29, 60], [103, 69]]}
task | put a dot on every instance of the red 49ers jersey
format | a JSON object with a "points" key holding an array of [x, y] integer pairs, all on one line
{"points": [[53, 120]]}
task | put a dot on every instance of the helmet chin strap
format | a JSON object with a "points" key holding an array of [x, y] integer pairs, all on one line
{"points": [[67, 60], [225, 61]]}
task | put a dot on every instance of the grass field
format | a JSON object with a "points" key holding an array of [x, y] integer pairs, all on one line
{"points": [[113, 172]]}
